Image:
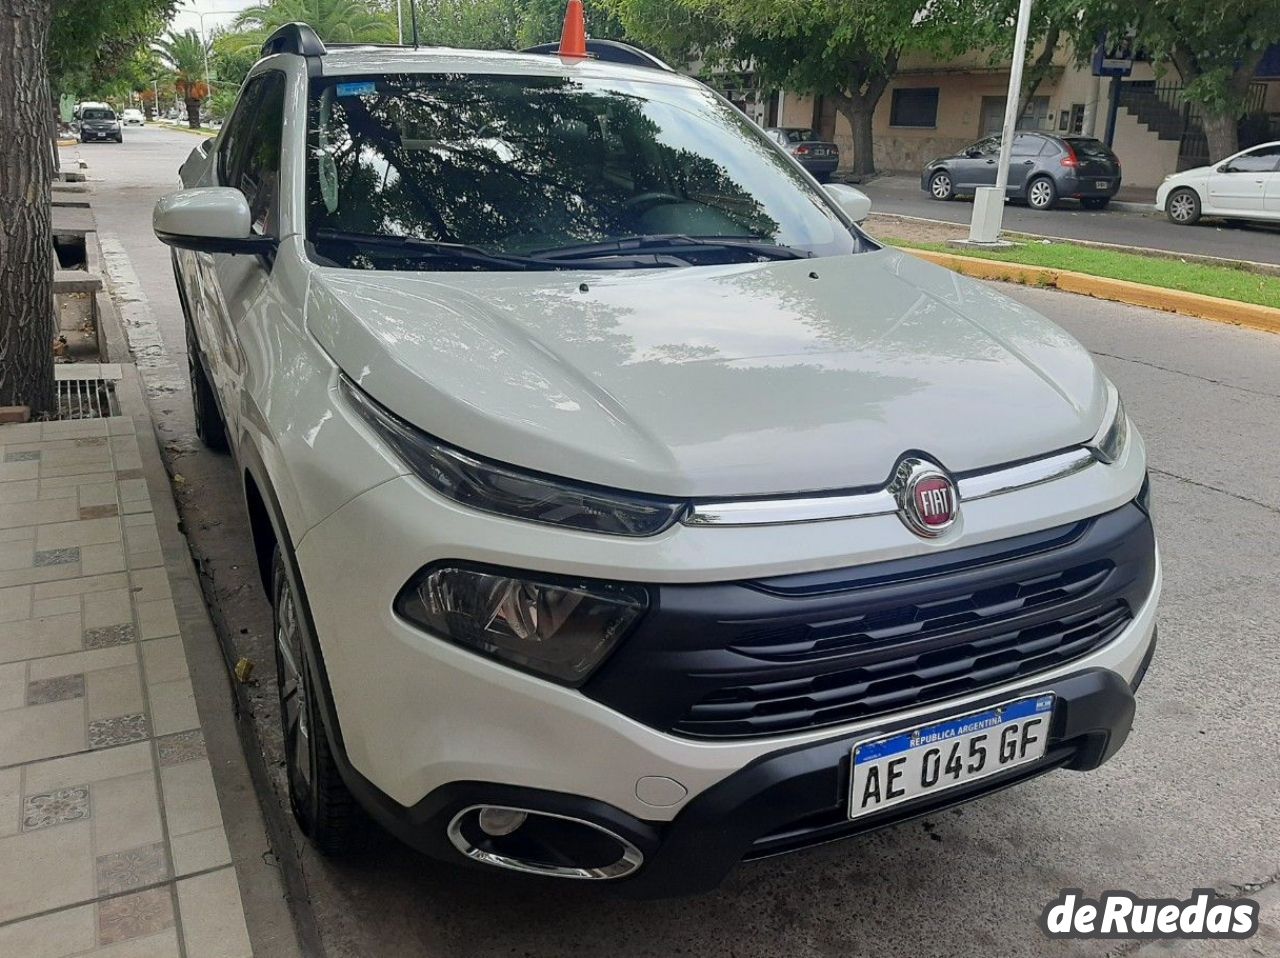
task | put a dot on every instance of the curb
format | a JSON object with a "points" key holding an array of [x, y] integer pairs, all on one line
{"points": [[1265, 318], [272, 894]]}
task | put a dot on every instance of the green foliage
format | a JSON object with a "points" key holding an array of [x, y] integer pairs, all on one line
{"points": [[338, 21], [92, 43], [184, 54]]}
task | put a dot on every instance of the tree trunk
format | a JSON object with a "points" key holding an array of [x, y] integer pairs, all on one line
{"points": [[26, 240], [1223, 134], [1039, 70], [860, 116], [193, 113]]}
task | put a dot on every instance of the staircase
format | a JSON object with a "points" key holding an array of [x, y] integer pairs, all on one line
{"points": [[1159, 107]]}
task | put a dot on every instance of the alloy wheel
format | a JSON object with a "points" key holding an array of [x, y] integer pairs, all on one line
{"points": [[1182, 207], [1041, 194], [293, 690], [940, 186]]}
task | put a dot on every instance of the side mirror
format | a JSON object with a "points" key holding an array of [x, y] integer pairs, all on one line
{"points": [[214, 219], [855, 203]]}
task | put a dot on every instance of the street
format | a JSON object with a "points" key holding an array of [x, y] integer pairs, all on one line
{"points": [[1189, 802], [1258, 242]]}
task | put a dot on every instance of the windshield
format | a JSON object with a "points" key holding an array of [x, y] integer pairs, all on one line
{"points": [[520, 166], [98, 115]]}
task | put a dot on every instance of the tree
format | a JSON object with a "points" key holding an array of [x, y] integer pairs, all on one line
{"points": [[1215, 45], [185, 54], [339, 21], [26, 240], [846, 50]]}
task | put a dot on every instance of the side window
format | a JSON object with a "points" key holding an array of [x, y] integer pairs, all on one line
{"points": [[988, 147], [233, 134], [1262, 160], [250, 156], [1024, 145]]}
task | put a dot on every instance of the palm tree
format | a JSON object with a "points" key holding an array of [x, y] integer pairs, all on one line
{"points": [[339, 21], [186, 55]]}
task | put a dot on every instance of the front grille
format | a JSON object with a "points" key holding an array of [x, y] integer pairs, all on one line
{"points": [[948, 660], [793, 653]]}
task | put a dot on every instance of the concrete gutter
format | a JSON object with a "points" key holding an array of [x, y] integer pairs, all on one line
{"points": [[1266, 318]]}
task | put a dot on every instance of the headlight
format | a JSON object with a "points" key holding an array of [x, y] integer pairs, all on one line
{"points": [[558, 628], [1108, 445], [507, 491]]}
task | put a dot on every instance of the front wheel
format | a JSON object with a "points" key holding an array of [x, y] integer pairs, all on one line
{"points": [[1042, 194], [940, 186], [210, 427], [1183, 207], [1095, 202], [321, 802]]}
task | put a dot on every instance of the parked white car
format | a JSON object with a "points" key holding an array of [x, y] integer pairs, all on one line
{"points": [[627, 511], [134, 118], [1245, 186]]}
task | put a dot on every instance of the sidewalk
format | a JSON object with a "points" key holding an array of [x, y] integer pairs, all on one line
{"points": [[129, 823], [113, 839]]}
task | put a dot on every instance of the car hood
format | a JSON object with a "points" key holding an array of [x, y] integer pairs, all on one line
{"points": [[714, 381]]}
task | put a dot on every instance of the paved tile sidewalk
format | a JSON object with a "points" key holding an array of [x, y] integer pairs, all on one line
{"points": [[111, 837]]}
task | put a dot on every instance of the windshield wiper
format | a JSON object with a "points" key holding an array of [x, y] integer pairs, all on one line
{"points": [[672, 244], [413, 246]]}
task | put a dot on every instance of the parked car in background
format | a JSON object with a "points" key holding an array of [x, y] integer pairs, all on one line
{"points": [[1245, 186], [1043, 169], [819, 157], [133, 118], [100, 123]]}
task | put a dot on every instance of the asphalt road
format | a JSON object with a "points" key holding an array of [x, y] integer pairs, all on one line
{"points": [[1190, 802], [1257, 242]]}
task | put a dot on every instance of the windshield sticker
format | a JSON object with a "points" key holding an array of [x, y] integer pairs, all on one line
{"points": [[357, 89]]}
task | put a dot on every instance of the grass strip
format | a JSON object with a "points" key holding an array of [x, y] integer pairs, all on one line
{"points": [[1224, 282]]}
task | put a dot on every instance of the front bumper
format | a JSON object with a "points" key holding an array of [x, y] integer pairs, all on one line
{"points": [[791, 799]]}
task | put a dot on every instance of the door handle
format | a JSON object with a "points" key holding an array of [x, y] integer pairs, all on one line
{"points": [[1026, 162]]}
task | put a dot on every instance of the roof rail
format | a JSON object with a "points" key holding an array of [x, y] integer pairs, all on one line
{"points": [[294, 38], [610, 51]]}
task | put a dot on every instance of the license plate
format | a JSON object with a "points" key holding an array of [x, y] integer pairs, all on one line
{"points": [[1100, 184], [932, 758]]}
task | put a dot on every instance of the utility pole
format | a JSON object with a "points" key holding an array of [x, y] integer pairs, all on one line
{"points": [[988, 204]]}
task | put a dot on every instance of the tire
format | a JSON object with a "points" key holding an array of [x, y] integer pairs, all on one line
{"points": [[940, 186], [1183, 207], [210, 426], [322, 805], [1042, 194], [1095, 202]]}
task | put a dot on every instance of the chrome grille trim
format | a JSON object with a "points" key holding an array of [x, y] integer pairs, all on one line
{"points": [[769, 512]]}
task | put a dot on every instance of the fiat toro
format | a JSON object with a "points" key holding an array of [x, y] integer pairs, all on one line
{"points": [[627, 511]]}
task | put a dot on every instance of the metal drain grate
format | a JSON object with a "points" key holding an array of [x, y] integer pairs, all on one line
{"points": [[86, 399]]}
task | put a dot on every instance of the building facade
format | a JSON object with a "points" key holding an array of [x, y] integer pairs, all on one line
{"points": [[933, 108]]}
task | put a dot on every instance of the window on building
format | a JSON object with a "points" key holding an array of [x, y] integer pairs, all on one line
{"points": [[1076, 123], [914, 107], [1037, 116]]}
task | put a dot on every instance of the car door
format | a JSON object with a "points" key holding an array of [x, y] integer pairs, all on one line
{"points": [[976, 165], [1022, 161], [1240, 183], [248, 159]]}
